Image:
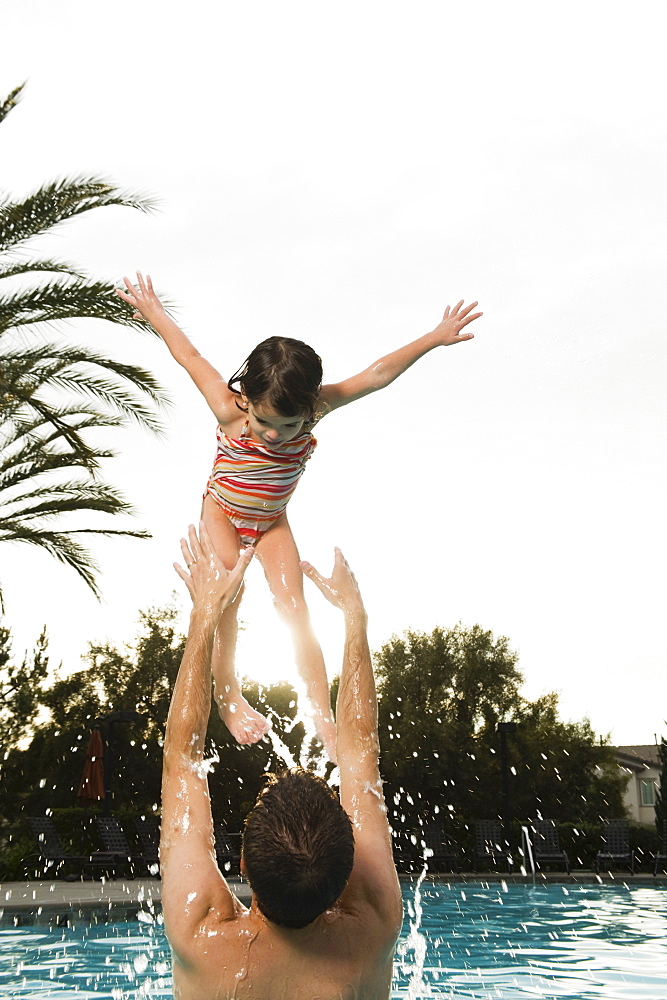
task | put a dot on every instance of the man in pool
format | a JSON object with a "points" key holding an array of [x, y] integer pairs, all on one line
{"points": [[326, 909]]}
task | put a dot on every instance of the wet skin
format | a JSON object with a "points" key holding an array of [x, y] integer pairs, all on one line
{"points": [[222, 950], [279, 555]]}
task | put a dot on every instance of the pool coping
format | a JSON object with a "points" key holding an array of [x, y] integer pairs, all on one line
{"points": [[143, 893], [90, 894]]}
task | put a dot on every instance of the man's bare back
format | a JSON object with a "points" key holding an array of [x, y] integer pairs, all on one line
{"points": [[338, 957], [222, 950]]}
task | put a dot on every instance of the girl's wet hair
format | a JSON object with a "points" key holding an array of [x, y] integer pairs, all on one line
{"points": [[283, 373]]}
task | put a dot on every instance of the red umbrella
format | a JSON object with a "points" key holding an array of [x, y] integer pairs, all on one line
{"points": [[92, 779]]}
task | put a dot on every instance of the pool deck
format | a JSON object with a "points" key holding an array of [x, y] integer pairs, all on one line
{"points": [[36, 897]]}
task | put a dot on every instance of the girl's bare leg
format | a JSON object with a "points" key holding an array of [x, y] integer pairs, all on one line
{"points": [[278, 554], [244, 723]]}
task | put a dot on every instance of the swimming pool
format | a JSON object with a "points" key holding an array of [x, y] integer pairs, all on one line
{"points": [[476, 942]]}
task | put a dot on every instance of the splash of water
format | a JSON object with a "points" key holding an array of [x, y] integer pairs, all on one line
{"points": [[415, 942], [202, 767], [280, 748], [308, 758]]}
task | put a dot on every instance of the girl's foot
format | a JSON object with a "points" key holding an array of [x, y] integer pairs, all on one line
{"points": [[244, 723]]}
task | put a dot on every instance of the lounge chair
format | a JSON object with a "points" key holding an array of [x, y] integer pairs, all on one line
{"points": [[51, 854], [445, 855], [491, 845], [227, 852], [115, 845], [660, 860], [148, 832], [615, 847], [546, 844]]}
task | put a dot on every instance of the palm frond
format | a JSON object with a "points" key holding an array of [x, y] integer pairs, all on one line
{"points": [[28, 377], [112, 394], [39, 364], [30, 266], [33, 460], [63, 498], [34, 432], [23, 470], [27, 506], [63, 547], [58, 300], [10, 101], [34, 426], [48, 470], [58, 201], [52, 415], [19, 423]]}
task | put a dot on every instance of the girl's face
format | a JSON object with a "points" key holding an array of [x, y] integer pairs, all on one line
{"points": [[272, 428]]}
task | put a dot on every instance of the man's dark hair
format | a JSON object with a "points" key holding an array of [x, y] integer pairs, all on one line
{"points": [[285, 373], [298, 848]]}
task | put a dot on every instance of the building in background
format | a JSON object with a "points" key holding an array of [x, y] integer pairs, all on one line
{"points": [[642, 766]]}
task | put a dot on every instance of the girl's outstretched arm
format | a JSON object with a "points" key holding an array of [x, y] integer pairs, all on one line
{"points": [[383, 372], [147, 305]]}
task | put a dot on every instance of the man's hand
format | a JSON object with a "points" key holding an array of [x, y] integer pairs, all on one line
{"points": [[454, 320], [209, 582], [341, 588], [142, 298], [372, 891]]}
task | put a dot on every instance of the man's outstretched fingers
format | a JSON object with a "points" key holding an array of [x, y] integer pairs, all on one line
{"points": [[205, 542], [313, 575], [181, 572], [235, 576], [187, 554], [243, 561], [185, 577], [194, 543]]}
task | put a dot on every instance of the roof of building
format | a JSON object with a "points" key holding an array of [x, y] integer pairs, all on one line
{"points": [[638, 757]]}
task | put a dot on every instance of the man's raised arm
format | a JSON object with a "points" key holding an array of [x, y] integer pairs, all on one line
{"points": [[191, 882], [373, 877]]}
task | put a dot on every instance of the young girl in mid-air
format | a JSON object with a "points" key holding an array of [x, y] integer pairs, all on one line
{"points": [[266, 414]]}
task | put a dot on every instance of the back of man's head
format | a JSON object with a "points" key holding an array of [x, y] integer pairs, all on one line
{"points": [[298, 848]]}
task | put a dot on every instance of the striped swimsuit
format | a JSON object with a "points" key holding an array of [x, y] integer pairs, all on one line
{"points": [[253, 483]]}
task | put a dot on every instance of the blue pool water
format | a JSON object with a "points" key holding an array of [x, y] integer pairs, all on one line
{"points": [[470, 941]]}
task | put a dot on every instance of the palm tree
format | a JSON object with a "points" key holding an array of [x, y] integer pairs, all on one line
{"points": [[52, 393]]}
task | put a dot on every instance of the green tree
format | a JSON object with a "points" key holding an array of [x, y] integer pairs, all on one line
{"points": [[53, 393], [561, 769], [46, 773], [441, 697], [21, 687], [438, 693], [139, 677]]}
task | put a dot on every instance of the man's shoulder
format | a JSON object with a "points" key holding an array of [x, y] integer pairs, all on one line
{"points": [[374, 895], [222, 923]]}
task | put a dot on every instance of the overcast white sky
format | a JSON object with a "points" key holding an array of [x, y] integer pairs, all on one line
{"points": [[339, 173]]}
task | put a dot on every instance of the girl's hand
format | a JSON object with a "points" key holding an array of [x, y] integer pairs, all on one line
{"points": [[449, 330], [142, 298]]}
